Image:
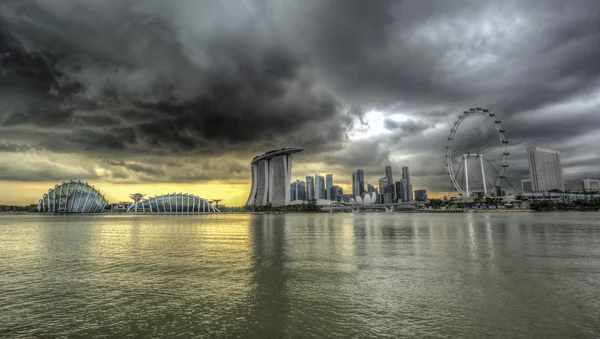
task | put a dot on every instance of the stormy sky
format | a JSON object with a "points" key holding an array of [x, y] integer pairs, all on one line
{"points": [[157, 96]]}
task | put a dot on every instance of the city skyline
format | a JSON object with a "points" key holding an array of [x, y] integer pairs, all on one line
{"points": [[154, 97]]}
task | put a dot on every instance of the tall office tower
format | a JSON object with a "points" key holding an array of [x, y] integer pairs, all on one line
{"points": [[319, 187], [354, 184], [405, 191], [370, 188], [302, 191], [388, 174], [310, 188], [398, 189], [328, 185], [406, 175], [388, 194], [293, 191], [545, 169], [526, 186], [361, 182], [383, 182]]}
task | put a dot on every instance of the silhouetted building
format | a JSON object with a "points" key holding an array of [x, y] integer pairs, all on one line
{"points": [[328, 185], [388, 175], [301, 190], [421, 195], [293, 191], [361, 181], [398, 189]]}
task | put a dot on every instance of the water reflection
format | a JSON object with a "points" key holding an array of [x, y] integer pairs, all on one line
{"points": [[301, 275]]}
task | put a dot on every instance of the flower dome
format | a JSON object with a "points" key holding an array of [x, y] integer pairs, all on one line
{"points": [[174, 203], [72, 197]]}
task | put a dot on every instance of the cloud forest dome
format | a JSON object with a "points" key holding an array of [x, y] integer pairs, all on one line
{"points": [[174, 203], [72, 196]]}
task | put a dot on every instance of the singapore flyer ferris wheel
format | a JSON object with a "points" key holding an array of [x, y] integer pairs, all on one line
{"points": [[476, 153]]}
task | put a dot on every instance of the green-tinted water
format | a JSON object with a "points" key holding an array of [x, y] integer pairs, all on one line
{"points": [[502, 275]]}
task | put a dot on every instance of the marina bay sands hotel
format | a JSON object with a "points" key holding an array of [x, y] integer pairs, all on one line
{"points": [[271, 176]]}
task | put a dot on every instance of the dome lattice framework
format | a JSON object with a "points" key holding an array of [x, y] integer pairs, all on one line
{"points": [[174, 203], [72, 197]]}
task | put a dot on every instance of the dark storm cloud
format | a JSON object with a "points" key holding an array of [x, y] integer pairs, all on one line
{"points": [[233, 93], [141, 78]]}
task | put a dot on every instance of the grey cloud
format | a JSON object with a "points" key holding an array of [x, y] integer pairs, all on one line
{"points": [[199, 78], [409, 127]]}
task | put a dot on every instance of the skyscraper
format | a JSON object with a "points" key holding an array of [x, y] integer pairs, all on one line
{"points": [[405, 174], [409, 191], [328, 185], [388, 175], [302, 191], [361, 181], [370, 188], [405, 190], [310, 188], [545, 169], [294, 191], [383, 182], [354, 184], [319, 187], [398, 189], [388, 194]]}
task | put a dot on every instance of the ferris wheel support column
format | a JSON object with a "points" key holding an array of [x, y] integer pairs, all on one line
{"points": [[482, 174], [466, 174]]}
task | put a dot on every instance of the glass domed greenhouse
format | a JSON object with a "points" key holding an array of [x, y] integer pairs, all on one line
{"points": [[174, 203], [74, 197]]}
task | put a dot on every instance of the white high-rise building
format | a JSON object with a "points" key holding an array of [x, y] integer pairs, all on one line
{"points": [[545, 169], [591, 184]]}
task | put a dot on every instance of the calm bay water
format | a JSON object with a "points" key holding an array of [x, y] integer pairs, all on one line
{"points": [[500, 275]]}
